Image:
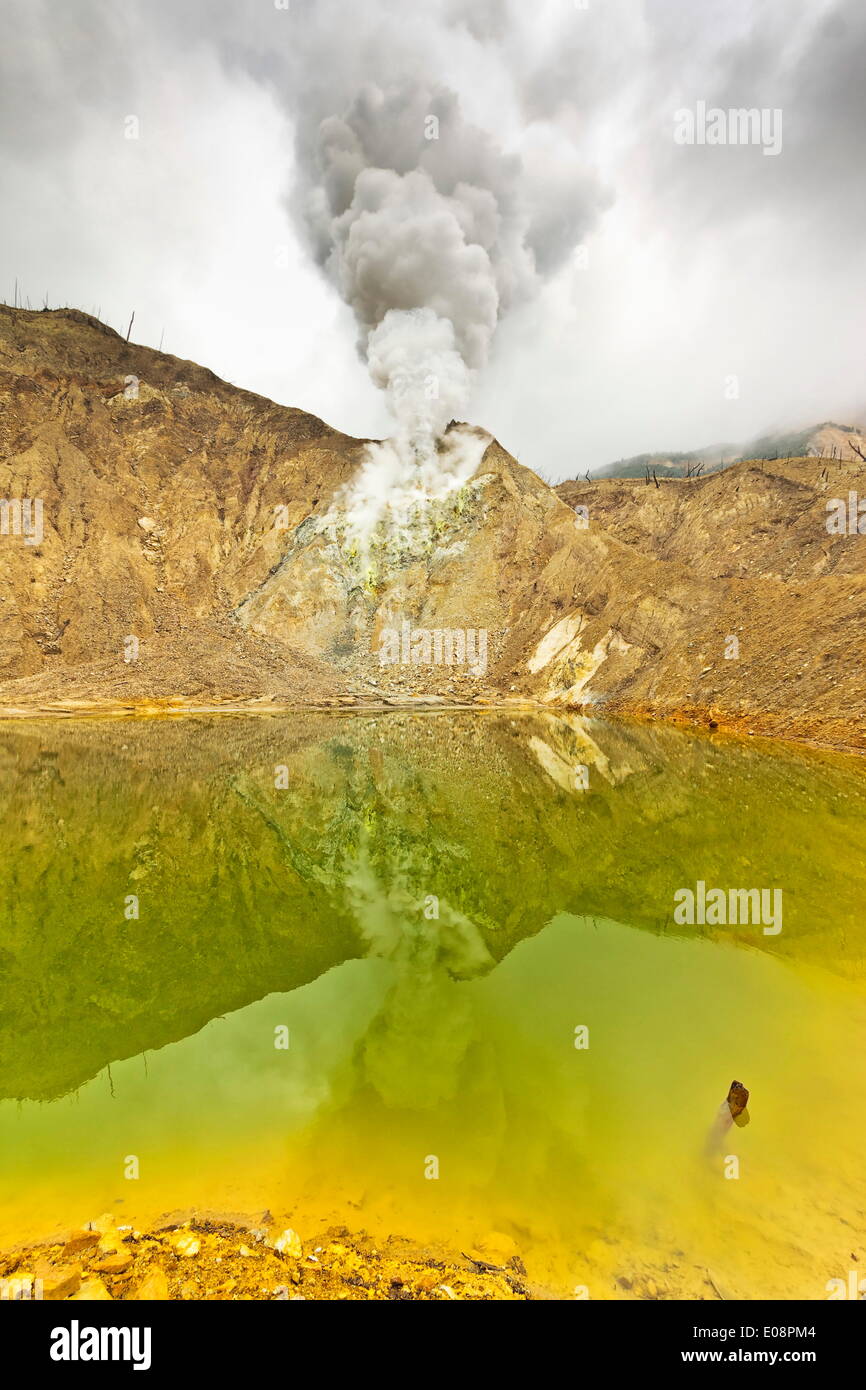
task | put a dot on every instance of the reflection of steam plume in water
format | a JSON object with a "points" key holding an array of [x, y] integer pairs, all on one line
{"points": [[414, 1050], [429, 229]]}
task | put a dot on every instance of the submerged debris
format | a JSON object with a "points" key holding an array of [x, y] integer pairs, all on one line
{"points": [[737, 1100], [731, 1111]]}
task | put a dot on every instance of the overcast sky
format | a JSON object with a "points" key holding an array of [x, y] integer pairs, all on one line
{"points": [[693, 265]]}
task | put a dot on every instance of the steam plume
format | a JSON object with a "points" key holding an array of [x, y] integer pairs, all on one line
{"points": [[429, 226]]}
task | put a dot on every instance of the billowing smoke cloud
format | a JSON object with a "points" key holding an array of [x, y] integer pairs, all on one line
{"points": [[413, 208], [429, 226]]}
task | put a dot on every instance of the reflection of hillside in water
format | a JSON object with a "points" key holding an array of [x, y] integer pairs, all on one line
{"points": [[245, 889]]}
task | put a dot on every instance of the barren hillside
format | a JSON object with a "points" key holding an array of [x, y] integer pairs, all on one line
{"points": [[186, 514]]}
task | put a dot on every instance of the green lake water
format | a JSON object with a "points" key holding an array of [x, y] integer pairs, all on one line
{"points": [[435, 912]]}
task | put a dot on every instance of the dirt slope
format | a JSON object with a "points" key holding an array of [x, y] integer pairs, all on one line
{"points": [[188, 514], [761, 567], [158, 506]]}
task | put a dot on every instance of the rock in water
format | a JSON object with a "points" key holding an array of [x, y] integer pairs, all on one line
{"points": [[154, 1288], [58, 1281], [93, 1291], [289, 1243], [79, 1241], [185, 1244]]}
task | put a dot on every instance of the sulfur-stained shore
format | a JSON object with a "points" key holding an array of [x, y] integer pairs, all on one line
{"points": [[843, 735], [220, 1256]]}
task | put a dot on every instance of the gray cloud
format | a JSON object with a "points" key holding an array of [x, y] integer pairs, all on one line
{"points": [[806, 61], [264, 129], [411, 206]]}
